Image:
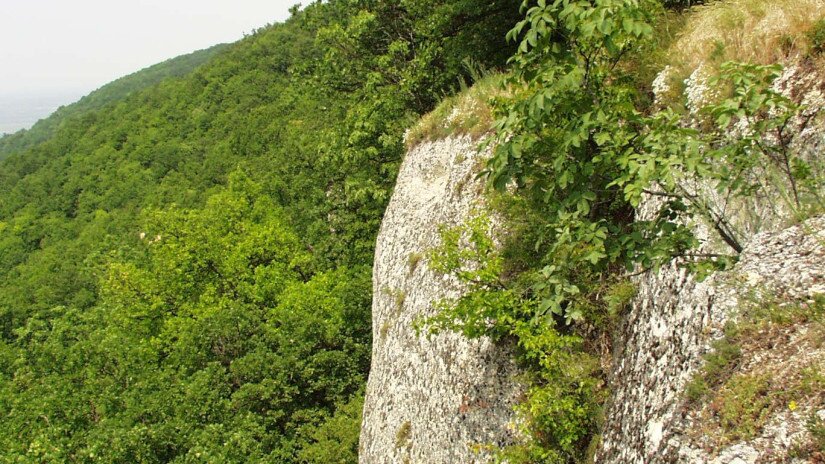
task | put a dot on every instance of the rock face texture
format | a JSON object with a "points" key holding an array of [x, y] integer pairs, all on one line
{"points": [[436, 399], [441, 399], [657, 354], [669, 329], [674, 320]]}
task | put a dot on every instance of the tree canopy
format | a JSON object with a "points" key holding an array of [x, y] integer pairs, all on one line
{"points": [[185, 254]]}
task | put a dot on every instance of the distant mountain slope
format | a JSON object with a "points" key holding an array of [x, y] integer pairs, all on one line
{"points": [[112, 92], [147, 77]]}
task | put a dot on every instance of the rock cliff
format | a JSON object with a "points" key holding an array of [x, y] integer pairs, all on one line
{"points": [[440, 399], [436, 399], [669, 329], [675, 320]]}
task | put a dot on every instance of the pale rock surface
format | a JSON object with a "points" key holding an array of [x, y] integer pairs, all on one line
{"points": [[669, 328], [431, 400], [434, 400]]}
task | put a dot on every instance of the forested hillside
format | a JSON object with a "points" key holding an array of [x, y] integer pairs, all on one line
{"points": [[185, 265], [109, 93]]}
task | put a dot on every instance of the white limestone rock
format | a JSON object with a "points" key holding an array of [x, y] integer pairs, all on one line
{"points": [[431, 400]]}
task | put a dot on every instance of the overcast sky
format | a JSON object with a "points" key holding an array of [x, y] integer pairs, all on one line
{"points": [[76, 46]]}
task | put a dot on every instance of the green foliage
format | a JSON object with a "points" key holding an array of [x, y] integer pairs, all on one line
{"points": [[619, 296], [816, 427], [813, 381], [564, 401], [742, 402], [111, 93], [576, 146], [402, 57], [719, 365], [582, 155], [563, 140], [814, 448], [769, 120], [468, 251], [816, 37], [184, 254], [335, 441], [570, 122], [216, 343], [743, 150], [766, 310], [566, 389]]}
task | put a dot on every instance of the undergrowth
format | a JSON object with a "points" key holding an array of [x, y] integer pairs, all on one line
{"points": [[743, 405], [720, 364], [566, 386], [575, 153], [816, 37], [753, 31], [740, 402]]}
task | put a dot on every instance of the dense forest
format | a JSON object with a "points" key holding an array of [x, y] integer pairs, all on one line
{"points": [[185, 254]]}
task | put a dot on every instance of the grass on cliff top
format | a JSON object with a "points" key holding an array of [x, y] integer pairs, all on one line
{"points": [[751, 31], [754, 31], [468, 113]]}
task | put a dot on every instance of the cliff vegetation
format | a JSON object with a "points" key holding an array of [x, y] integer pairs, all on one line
{"points": [[581, 149]]}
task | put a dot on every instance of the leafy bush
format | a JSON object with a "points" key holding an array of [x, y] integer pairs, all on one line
{"points": [[580, 156], [816, 37], [566, 387]]}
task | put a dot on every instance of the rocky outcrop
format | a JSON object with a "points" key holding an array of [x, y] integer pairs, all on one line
{"points": [[441, 399], [670, 328], [674, 320], [436, 399]]}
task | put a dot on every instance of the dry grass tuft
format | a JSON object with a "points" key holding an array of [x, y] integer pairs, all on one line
{"points": [[468, 113], [751, 31], [754, 31]]}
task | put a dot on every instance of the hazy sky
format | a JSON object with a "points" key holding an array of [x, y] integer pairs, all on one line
{"points": [[75, 46]]}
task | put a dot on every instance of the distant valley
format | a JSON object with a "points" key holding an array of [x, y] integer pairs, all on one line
{"points": [[22, 111]]}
